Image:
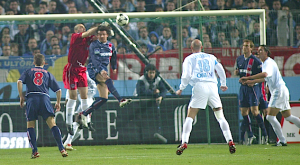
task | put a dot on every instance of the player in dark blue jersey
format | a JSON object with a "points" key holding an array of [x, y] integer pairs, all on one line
{"points": [[38, 81], [247, 65], [101, 53]]}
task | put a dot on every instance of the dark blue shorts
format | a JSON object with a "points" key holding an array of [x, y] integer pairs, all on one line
{"points": [[94, 71], [249, 96], [262, 103], [38, 105]]}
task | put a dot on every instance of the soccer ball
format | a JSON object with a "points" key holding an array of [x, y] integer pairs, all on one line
{"points": [[122, 19]]}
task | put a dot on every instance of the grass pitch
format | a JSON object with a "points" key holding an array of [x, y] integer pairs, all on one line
{"points": [[157, 155]]}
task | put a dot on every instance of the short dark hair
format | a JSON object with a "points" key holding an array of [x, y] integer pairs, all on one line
{"points": [[150, 67], [104, 28], [39, 59], [266, 49]]}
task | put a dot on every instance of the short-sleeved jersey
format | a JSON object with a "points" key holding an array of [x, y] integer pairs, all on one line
{"points": [[79, 49], [38, 81], [274, 78], [248, 67], [200, 67], [101, 54]]}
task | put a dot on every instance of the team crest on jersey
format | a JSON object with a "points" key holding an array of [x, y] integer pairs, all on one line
{"points": [[110, 46], [96, 51]]}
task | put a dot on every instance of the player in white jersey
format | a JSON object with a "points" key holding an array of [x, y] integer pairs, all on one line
{"points": [[92, 90], [279, 101], [199, 71]]}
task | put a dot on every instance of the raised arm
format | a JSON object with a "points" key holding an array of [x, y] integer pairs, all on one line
{"points": [[90, 32]]}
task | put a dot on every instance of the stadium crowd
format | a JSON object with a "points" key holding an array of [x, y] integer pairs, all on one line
{"points": [[53, 38]]}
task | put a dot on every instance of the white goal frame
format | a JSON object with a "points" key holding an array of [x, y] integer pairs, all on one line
{"points": [[260, 12]]}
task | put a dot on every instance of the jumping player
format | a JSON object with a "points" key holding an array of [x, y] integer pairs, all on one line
{"points": [[74, 74], [38, 81], [102, 52]]}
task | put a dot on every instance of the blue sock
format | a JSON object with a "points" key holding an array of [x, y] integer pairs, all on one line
{"points": [[32, 139], [96, 104], [261, 124], [57, 136], [243, 130], [248, 125], [112, 89]]}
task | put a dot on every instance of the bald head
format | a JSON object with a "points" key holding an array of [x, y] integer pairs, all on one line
{"points": [[79, 28], [196, 45]]}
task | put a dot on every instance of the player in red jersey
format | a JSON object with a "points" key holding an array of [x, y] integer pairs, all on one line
{"points": [[74, 74]]}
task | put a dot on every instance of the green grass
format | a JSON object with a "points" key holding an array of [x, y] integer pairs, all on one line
{"points": [[157, 155]]}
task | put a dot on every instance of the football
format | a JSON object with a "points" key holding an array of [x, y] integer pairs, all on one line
{"points": [[122, 19]]}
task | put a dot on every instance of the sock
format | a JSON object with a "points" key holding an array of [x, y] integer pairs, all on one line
{"points": [[276, 127], [112, 89], [294, 120], [32, 139], [260, 123], [70, 108], [243, 130], [248, 126], [57, 136], [268, 126], [223, 125], [70, 137], [96, 104], [84, 104], [186, 130]]}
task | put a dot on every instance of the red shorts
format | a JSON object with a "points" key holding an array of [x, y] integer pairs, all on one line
{"points": [[74, 77]]}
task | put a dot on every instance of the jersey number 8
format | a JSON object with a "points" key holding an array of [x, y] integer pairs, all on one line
{"points": [[38, 78]]}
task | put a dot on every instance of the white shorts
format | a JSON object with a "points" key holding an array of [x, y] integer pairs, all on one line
{"points": [[280, 98], [205, 93]]}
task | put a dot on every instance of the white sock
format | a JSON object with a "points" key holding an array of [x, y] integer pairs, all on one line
{"points": [[70, 137], [70, 108], [294, 120], [223, 125], [89, 118], [186, 129], [276, 127], [84, 104]]}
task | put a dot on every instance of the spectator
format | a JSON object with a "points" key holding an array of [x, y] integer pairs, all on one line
{"points": [[45, 44], [191, 6], [297, 37], [261, 3], [166, 38], [14, 5], [228, 4], [2, 11], [133, 33], [251, 4], [115, 5], [32, 43], [14, 49], [226, 44], [293, 4], [43, 8], [174, 44], [154, 42], [220, 5], [206, 3], [239, 4], [53, 7], [140, 6], [276, 6], [192, 32], [5, 50], [170, 6], [105, 5], [207, 44], [29, 8], [235, 40], [53, 41], [36, 51], [142, 47], [5, 40], [212, 28], [143, 35], [150, 85], [56, 50], [65, 32], [255, 36], [65, 49], [188, 42], [22, 37], [185, 36], [121, 49], [220, 39]]}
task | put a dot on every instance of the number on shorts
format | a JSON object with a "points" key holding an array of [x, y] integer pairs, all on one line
{"points": [[38, 78], [204, 65]]}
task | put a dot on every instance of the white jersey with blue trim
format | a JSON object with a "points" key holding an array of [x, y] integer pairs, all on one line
{"points": [[200, 67], [274, 78]]}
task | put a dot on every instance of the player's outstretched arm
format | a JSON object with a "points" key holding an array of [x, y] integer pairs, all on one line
{"points": [[20, 89], [90, 32], [58, 97]]}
